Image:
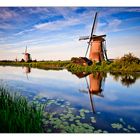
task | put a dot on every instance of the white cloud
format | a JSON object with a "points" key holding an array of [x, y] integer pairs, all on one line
{"points": [[6, 14], [24, 32], [44, 45], [6, 26], [57, 25]]}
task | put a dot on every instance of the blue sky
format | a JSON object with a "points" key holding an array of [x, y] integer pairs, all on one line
{"points": [[52, 33]]}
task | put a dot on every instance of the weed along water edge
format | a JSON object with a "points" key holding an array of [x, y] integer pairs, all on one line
{"points": [[17, 115], [82, 103]]}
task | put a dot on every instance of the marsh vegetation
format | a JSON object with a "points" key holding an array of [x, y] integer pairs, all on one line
{"points": [[17, 115], [127, 63]]}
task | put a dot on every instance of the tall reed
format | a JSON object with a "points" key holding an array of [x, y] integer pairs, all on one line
{"points": [[17, 115]]}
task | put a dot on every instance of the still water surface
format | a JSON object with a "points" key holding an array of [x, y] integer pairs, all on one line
{"points": [[103, 102]]}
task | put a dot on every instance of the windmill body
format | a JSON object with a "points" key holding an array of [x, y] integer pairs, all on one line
{"points": [[27, 56], [96, 44], [96, 49], [95, 81]]}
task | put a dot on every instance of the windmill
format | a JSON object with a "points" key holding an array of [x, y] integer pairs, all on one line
{"points": [[95, 86], [27, 56], [27, 70], [96, 43]]}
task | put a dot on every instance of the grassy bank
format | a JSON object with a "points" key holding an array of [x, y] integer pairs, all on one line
{"points": [[17, 115], [40, 64], [127, 63]]}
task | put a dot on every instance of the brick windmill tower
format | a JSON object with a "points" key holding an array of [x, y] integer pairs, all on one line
{"points": [[27, 56], [96, 44]]}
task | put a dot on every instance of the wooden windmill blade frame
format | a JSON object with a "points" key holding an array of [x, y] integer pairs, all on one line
{"points": [[93, 28], [91, 100]]}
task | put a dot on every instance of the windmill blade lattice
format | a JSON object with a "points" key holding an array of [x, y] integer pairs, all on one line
{"points": [[93, 28]]}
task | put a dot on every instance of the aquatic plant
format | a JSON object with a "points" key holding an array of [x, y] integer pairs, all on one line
{"points": [[123, 126], [61, 117], [51, 116], [17, 115]]}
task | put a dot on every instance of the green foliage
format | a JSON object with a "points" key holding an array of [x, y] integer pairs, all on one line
{"points": [[128, 59], [17, 115], [127, 63]]}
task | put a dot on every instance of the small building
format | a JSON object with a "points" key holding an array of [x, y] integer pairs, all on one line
{"points": [[81, 61]]}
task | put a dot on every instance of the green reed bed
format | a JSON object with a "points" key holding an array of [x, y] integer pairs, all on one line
{"points": [[17, 115]]}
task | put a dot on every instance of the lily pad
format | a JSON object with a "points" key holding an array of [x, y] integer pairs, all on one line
{"points": [[87, 111], [93, 120], [71, 119], [117, 125], [122, 121], [126, 130], [131, 128], [105, 131]]}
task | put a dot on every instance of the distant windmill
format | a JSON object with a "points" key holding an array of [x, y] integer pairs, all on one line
{"points": [[16, 60], [96, 43], [27, 70], [27, 56]]}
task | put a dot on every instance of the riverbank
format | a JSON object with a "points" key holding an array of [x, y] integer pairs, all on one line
{"points": [[127, 63]]}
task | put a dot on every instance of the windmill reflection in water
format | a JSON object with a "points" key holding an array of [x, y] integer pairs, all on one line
{"points": [[26, 70], [94, 82], [95, 85]]}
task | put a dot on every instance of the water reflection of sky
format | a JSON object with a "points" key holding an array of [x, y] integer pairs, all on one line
{"points": [[118, 100]]}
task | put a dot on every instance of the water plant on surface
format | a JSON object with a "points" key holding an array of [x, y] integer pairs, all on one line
{"points": [[61, 117], [51, 116], [17, 115], [122, 125]]}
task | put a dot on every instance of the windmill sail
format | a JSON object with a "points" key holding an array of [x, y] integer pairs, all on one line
{"points": [[91, 100], [93, 28], [104, 51], [26, 49]]}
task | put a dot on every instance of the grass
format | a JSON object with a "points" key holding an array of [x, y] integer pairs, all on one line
{"points": [[17, 115], [127, 63], [40, 64]]}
